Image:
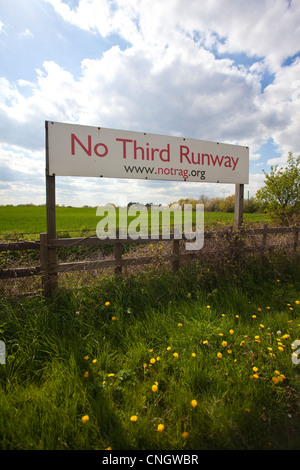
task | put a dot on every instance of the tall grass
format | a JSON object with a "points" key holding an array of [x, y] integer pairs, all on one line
{"points": [[96, 352]]}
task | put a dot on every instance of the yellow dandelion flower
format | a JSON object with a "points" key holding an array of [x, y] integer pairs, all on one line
{"points": [[247, 410], [133, 418], [221, 334], [255, 376], [224, 344], [154, 388], [253, 316], [208, 306], [185, 435], [152, 360], [275, 380], [297, 302], [113, 318], [261, 325], [169, 348], [229, 351], [179, 324], [160, 428], [175, 354], [255, 369], [158, 358], [219, 355], [281, 348], [85, 418], [242, 343], [86, 358], [94, 361], [86, 374], [231, 332], [110, 375], [107, 304], [259, 309], [205, 342], [194, 403], [193, 354]]}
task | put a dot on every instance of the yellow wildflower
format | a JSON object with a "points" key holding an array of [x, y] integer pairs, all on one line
{"points": [[85, 418], [194, 403], [133, 418], [224, 344], [107, 304], [160, 428], [219, 355]]}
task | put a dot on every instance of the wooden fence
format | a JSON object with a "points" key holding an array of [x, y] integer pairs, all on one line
{"points": [[49, 267]]}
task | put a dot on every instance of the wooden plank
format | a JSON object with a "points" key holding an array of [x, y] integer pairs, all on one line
{"points": [[19, 246], [13, 273]]}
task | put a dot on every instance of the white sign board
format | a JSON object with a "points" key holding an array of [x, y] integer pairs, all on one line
{"points": [[76, 150]]}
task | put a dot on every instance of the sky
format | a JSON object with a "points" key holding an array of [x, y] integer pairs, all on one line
{"points": [[217, 70]]}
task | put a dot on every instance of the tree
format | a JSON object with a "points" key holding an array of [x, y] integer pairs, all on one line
{"points": [[281, 194]]}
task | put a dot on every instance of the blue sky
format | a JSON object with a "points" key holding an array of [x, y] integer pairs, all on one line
{"points": [[216, 70]]}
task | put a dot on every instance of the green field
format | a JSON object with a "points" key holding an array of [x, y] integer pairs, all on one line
{"points": [[32, 219], [201, 358]]}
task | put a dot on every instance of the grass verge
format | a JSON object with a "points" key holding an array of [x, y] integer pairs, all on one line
{"points": [[192, 360]]}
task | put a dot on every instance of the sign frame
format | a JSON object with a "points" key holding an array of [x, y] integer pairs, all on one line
{"points": [[51, 201]]}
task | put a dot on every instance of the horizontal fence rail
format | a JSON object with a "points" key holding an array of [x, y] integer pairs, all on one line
{"points": [[49, 270]]}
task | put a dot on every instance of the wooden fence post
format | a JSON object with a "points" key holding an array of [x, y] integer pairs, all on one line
{"points": [[44, 263], [264, 237], [175, 253], [296, 237], [238, 205], [118, 256]]}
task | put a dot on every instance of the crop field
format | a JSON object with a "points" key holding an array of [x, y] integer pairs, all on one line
{"points": [[32, 219]]}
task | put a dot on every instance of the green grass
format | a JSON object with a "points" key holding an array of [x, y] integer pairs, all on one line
{"points": [[51, 344], [16, 220]]}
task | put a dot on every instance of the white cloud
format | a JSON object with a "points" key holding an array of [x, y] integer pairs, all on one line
{"points": [[26, 34], [173, 78]]}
